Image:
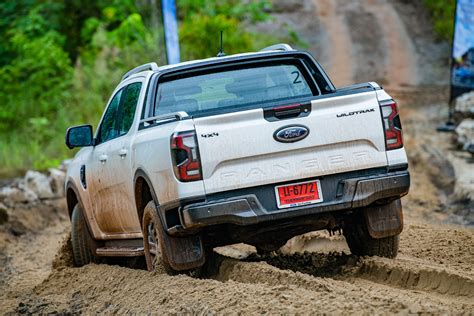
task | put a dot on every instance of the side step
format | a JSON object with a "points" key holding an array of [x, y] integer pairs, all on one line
{"points": [[119, 251]]}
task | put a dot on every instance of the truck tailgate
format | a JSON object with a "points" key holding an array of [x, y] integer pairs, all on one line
{"points": [[238, 149]]}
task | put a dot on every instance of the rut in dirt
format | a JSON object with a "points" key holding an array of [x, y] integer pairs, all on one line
{"points": [[404, 273], [277, 283]]}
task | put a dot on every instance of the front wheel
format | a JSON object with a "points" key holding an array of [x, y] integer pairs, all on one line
{"points": [[83, 245]]}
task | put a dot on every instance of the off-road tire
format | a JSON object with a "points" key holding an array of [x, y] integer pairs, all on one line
{"points": [[159, 261], [362, 244], [83, 245]]}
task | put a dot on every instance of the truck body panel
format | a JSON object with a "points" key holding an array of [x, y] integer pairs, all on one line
{"points": [[345, 133]]}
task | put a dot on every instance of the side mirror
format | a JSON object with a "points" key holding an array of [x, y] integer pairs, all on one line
{"points": [[79, 136]]}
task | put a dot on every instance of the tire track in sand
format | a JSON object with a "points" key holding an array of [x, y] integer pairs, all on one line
{"points": [[313, 269], [367, 42], [358, 285], [340, 66], [401, 68]]}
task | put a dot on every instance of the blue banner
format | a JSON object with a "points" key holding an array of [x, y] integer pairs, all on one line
{"points": [[462, 78], [171, 31]]}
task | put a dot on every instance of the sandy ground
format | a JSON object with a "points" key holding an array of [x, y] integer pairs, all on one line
{"points": [[432, 274], [314, 273]]}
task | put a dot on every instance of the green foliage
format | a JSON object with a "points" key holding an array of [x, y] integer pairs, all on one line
{"points": [[200, 30], [442, 12], [35, 85], [110, 55], [61, 59], [254, 11], [201, 36]]}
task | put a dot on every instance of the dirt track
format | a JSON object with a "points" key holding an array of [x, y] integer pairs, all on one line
{"points": [[433, 272]]}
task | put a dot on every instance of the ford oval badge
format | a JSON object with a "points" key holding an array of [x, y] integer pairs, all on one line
{"points": [[291, 134]]}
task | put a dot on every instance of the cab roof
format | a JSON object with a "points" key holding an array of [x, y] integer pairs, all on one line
{"points": [[153, 67]]}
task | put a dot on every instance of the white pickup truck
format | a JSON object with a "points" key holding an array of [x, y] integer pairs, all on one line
{"points": [[254, 148]]}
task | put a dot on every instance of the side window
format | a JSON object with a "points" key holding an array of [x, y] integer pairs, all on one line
{"points": [[108, 127], [129, 104]]}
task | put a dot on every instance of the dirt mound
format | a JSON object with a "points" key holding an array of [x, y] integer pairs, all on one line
{"points": [[34, 217], [449, 247], [28, 242], [64, 257], [410, 274], [275, 283]]}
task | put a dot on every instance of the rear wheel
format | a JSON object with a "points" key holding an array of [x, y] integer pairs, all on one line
{"points": [[83, 245], [155, 252], [362, 244], [153, 243]]}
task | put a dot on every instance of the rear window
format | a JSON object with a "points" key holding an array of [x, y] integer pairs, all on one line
{"points": [[238, 88]]}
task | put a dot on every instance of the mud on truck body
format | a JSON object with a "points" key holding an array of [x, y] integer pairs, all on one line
{"points": [[254, 148]]}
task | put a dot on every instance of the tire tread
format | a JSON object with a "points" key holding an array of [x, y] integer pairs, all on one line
{"points": [[362, 244], [81, 239]]}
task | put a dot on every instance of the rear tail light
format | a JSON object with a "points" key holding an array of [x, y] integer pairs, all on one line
{"points": [[392, 125], [185, 155]]}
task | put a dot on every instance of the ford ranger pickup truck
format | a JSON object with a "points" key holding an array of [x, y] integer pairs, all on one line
{"points": [[254, 148]]}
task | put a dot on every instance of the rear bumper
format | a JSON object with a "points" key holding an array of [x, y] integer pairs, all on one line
{"points": [[248, 209]]}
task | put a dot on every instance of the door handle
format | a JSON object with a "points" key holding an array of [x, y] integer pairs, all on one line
{"points": [[123, 153], [103, 158]]}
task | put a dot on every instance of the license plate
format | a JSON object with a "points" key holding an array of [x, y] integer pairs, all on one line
{"points": [[297, 194]]}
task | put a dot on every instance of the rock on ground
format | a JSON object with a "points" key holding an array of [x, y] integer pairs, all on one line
{"points": [[12, 195], [465, 133], [38, 183], [56, 179], [33, 187], [464, 105]]}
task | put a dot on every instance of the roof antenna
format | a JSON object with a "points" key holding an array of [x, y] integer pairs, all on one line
{"points": [[221, 50]]}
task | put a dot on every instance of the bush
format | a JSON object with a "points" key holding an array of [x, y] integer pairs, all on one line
{"points": [[61, 59], [35, 85], [442, 12]]}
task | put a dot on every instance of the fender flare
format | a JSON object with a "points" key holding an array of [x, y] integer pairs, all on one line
{"points": [[70, 206], [140, 173]]}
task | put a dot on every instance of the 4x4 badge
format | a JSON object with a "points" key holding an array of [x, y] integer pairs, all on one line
{"points": [[209, 135], [291, 134]]}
